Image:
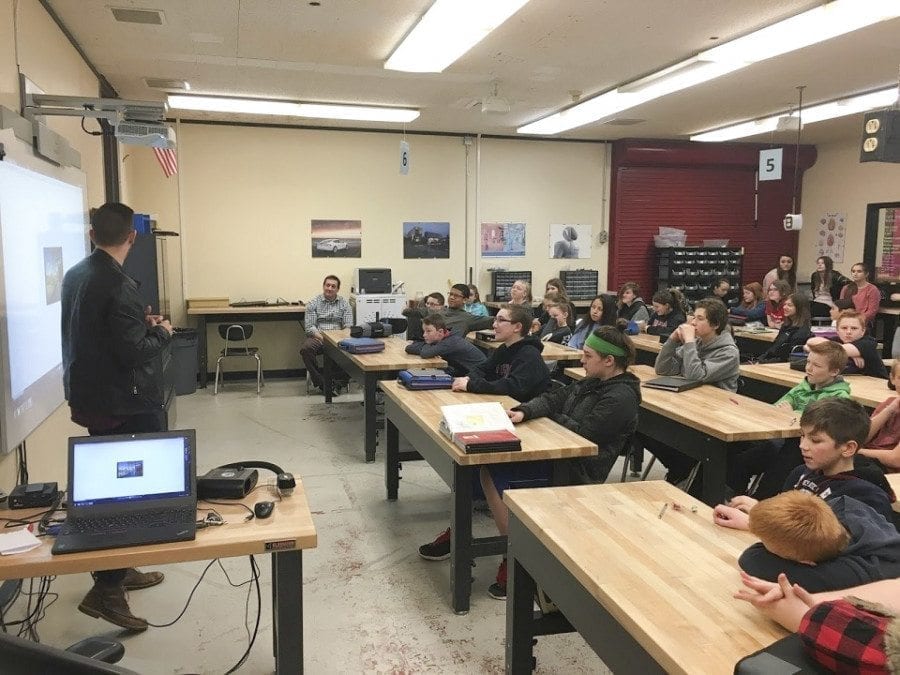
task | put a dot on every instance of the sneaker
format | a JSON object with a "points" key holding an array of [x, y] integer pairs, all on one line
{"points": [[105, 601], [439, 549], [497, 590], [135, 580]]}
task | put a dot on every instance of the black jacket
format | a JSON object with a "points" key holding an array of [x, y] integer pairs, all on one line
{"points": [[657, 325], [602, 411], [838, 281], [108, 351], [873, 553], [865, 483], [788, 337], [516, 371], [872, 363]]}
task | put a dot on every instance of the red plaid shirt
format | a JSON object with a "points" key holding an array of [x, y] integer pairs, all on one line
{"points": [[845, 638]]}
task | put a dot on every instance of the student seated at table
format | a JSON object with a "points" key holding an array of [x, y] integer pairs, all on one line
{"points": [[602, 312], [703, 350], [458, 320], [631, 305], [776, 458], [883, 444], [776, 294], [720, 289], [602, 408], [557, 286], [474, 305], [862, 351], [460, 354], [550, 298], [865, 295], [558, 328], [666, 315], [823, 544], [515, 368], [752, 306], [794, 332], [832, 430]]}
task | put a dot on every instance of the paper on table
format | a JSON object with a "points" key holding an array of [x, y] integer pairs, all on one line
{"points": [[18, 541]]}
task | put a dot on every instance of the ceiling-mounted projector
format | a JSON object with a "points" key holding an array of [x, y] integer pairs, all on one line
{"points": [[133, 122], [145, 133]]}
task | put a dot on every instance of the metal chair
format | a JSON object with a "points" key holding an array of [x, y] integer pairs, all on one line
{"points": [[236, 336]]}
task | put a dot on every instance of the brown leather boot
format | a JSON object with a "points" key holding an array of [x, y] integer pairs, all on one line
{"points": [[135, 579], [107, 601]]}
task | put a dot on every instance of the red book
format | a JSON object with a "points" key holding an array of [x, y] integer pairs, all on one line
{"points": [[499, 440]]}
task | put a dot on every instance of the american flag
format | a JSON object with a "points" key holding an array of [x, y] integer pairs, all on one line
{"points": [[168, 160]]}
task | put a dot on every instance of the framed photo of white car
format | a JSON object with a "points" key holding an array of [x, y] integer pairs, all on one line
{"points": [[336, 238]]}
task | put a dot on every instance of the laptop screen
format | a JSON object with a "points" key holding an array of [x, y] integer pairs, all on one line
{"points": [[131, 468]]}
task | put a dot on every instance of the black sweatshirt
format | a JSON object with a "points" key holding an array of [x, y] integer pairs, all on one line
{"points": [[517, 371]]}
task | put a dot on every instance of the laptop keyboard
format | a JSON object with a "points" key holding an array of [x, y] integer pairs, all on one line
{"points": [[130, 521]]}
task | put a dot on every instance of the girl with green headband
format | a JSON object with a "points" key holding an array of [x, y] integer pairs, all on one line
{"points": [[602, 408]]}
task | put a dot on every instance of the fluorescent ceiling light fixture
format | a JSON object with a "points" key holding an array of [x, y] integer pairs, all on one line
{"points": [[816, 113], [254, 106], [816, 25], [448, 30]]}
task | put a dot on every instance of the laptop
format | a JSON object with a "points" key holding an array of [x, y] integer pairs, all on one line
{"points": [[130, 490], [673, 383]]}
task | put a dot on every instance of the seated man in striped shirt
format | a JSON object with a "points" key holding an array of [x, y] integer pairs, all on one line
{"points": [[326, 311]]}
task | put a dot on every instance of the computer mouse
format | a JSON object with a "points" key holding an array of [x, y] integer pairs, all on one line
{"points": [[263, 509]]}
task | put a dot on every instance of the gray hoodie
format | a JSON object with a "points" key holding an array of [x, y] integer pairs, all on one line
{"points": [[715, 362]]}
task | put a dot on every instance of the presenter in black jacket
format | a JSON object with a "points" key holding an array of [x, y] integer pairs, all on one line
{"points": [[109, 342]]}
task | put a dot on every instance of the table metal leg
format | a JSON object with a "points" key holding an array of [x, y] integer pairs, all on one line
{"points": [[202, 350], [461, 549], [888, 327], [392, 461], [520, 589], [287, 611], [327, 366], [370, 386], [715, 462]]}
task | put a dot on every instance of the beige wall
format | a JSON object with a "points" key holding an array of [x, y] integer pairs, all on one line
{"points": [[247, 195], [838, 182], [48, 59], [540, 183]]}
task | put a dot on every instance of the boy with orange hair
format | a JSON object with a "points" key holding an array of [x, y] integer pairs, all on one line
{"points": [[821, 544]]}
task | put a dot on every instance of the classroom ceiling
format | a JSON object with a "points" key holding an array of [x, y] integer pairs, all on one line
{"points": [[333, 52]]}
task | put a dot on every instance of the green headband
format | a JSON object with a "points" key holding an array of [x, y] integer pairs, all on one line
{"points": [[601, 346]]}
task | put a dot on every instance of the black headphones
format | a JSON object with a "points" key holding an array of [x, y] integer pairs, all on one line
{"points": [[285, 481]]}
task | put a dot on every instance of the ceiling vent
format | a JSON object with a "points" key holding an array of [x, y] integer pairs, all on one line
{"points": [[152, 17], [166, 85]]}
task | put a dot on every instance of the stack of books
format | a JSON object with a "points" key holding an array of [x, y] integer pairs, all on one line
{"points": [[479, 427]]}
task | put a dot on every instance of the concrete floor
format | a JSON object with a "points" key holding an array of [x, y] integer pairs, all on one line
{"points": [[370, 603]]}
